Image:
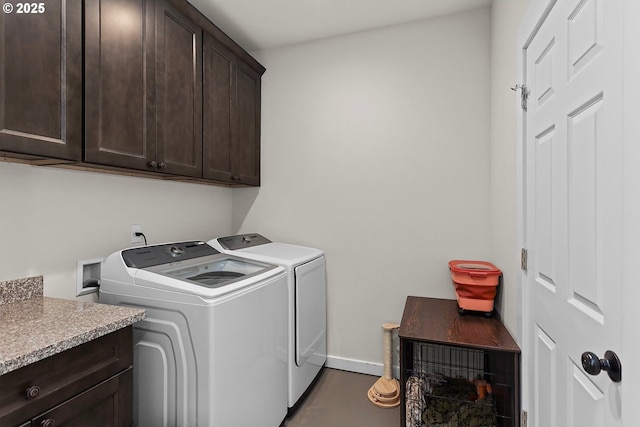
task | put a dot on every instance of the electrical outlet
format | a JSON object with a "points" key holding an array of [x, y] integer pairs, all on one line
{"points": [[136, 228]]}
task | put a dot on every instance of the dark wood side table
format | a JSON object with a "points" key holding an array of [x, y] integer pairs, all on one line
{"points": [[434, 328]]}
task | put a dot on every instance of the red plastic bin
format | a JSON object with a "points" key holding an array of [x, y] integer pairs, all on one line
{"points": [[475, 283]]}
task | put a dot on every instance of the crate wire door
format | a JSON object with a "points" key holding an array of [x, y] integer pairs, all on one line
{"points": [[451, 386]]}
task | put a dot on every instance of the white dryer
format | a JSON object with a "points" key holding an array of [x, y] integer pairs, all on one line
{"points": [[212, 350], [307, 312]]}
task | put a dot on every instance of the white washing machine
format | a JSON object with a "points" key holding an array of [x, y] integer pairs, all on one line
{"points": [[212, 350], [307, 311]]}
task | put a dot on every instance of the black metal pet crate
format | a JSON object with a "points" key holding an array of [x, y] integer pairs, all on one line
{"points": [[456, 370]]}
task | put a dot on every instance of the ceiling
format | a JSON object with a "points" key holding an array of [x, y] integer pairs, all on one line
{"points": [[263, 24]]}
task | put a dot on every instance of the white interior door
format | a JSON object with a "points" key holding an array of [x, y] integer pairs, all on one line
{"points": [[573, 209]]}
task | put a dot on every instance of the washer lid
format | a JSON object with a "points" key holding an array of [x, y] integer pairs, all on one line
{"points": [[195, 262], [214, 271]]}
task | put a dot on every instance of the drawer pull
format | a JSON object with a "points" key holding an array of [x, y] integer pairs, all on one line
{"points": [[33, 392], [49, 422]]}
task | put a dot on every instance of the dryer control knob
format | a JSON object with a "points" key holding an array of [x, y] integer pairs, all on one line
{"points": [[246, 239]]}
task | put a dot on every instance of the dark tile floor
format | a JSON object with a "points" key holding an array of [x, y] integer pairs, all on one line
{"points": [[339, 399]]}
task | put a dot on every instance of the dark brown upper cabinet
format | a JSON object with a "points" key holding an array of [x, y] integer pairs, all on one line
{"points": [[158, 99], [231, 116], [219, 70], [41, 82], [120, 87], [179, 91], [143, 85], [246, 144]]}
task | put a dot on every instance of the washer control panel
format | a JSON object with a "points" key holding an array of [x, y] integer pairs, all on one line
{"points": [[148, 256]]}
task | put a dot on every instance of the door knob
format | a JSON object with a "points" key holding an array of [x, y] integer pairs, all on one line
{"points": [[611, 363]]}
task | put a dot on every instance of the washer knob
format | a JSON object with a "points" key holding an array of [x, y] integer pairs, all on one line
{"points": [[175, 251]]}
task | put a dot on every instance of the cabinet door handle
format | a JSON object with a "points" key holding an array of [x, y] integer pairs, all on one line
{"points": [[152, 164], [33, 392], [235, 178], [49, 422], [162, 165]]}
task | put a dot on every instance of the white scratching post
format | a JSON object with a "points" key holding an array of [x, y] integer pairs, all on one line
{"points": [[385, 393]]}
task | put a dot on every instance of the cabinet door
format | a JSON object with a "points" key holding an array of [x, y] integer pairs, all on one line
{"points": [[120, 83], [42, 385], [219, 69], [179, 93], [245, 145], [107, 404], [41, 80]]}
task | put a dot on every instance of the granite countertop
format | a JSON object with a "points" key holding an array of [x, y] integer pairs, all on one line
{"points": [[33, 327]]}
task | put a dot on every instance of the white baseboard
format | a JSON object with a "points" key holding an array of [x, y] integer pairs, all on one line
{"points": [[359, 366]]}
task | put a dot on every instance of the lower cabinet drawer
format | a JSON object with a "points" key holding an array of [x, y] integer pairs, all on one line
{"points": [[107, 404], [36, 388]]}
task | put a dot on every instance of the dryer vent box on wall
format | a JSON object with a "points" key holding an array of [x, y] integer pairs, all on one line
{"points": [[88, 276], [475, 283]]}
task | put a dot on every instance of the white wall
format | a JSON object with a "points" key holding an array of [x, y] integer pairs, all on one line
{"points": [[376, 149], [393, 150], [505, 18], [51, 218]]}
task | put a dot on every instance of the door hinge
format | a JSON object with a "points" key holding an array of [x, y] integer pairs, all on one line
{"points": [[523, 259], [524, 95], [523, 418]]}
